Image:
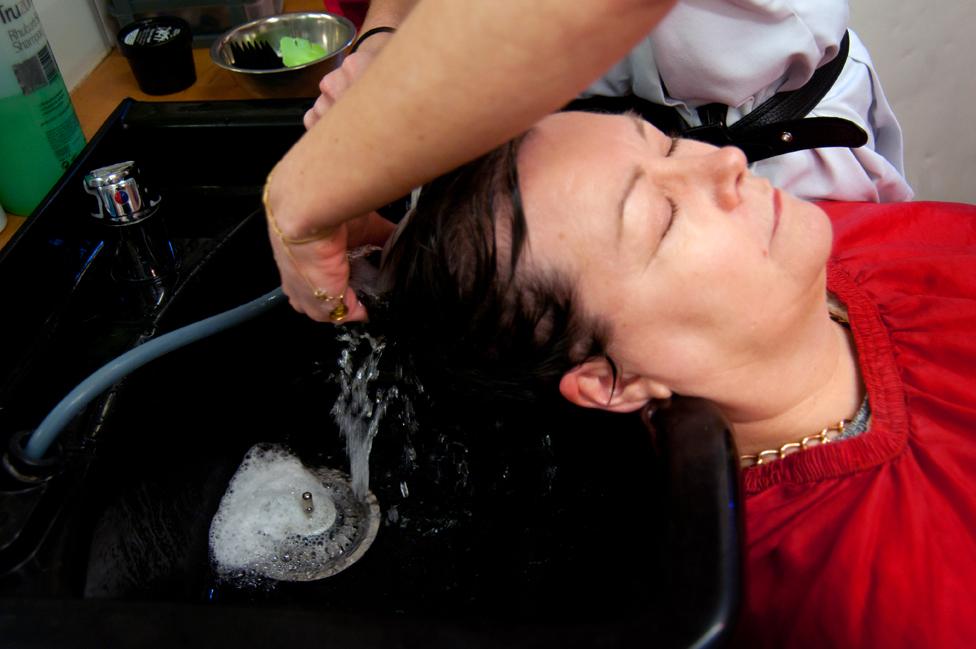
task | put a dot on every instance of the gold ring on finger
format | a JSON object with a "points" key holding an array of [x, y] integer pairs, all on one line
{"points": [[322, 294], [339, 313]]}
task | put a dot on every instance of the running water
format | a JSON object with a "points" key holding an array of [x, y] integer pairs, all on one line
{"points": [[281, 520], [361, 404]]}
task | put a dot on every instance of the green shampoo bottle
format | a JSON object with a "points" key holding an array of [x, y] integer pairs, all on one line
{"points": [[39, 130]]}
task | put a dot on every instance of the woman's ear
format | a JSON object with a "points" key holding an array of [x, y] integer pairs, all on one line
{"points": [[591, 385]]}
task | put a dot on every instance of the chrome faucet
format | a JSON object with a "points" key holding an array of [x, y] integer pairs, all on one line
{"points": [[144, 254]]}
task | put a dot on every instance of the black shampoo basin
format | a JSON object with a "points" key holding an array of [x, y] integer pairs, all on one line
{"points": [[560, 529]]}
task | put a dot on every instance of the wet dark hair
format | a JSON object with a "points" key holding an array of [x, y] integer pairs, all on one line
{"points": [[460, 298]]}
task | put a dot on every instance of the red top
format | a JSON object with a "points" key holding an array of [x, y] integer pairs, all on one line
{"points": [[871, 542]]}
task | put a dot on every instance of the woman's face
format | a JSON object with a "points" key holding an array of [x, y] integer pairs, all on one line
{"points": [[700, 268]]}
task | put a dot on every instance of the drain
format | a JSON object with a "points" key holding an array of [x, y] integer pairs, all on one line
{"points": [[280, 520]]}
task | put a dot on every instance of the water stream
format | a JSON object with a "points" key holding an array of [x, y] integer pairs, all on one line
{"points": [[282, 520], [431, 482], [361, 404]]}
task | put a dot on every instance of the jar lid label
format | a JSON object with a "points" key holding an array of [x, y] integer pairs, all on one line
{"points": [[152, 35]]}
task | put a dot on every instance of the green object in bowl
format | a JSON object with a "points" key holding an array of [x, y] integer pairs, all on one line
{"points": [[298, 51]]}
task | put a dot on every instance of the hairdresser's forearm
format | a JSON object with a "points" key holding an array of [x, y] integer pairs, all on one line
{"points": [[383, 13], [458, 79], [387, 13]]}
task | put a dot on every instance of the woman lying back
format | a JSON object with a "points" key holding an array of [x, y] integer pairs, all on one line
{"points": [[598, 258]]}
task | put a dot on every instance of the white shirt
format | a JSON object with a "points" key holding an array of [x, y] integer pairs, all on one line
{"points": [[742, 52]]}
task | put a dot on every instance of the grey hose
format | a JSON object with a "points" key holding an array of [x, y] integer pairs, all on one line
{"points": [[116, 369]]}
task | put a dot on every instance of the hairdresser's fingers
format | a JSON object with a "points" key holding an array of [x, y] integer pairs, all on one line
{"points": [[318, 267], [336, 83], [357, 312], [318, 109], [332, 86], [302, 298]]}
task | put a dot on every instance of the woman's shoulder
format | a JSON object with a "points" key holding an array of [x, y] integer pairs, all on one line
{"points": [[905, 254], [906, 227]]}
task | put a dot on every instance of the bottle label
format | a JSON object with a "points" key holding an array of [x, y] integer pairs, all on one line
{"points": [[27, 61], [34, 69], [39, 131]]}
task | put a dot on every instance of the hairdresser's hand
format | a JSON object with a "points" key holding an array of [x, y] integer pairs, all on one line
{"points": [[324, 265], [315, 277], [334, 84]]}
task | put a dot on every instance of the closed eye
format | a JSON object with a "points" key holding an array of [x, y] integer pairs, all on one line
{"points": [[674, 206], [674, 213], [674, 145]]}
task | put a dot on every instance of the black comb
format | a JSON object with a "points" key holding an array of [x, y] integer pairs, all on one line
{"points": [[255, 55]]}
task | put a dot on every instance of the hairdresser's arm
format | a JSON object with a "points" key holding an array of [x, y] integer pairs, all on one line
{"points": [[382, 13], [457, 79], [386, 13]]}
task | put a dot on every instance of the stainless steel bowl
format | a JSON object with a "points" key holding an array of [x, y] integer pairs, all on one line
{"points": [[334, 33]]}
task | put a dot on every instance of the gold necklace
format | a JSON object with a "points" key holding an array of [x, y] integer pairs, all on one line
{"points": [[825, 436]]}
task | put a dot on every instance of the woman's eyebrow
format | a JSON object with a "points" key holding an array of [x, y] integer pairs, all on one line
{"points": [[638, 122]]}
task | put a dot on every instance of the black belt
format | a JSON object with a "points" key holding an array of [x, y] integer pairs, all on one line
{"points": [[779, 125]]}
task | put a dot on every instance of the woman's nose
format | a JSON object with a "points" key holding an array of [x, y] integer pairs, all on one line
{"points": [[726, 167]]}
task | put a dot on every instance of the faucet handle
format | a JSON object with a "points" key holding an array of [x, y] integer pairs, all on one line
{"points": [[122, 196]]}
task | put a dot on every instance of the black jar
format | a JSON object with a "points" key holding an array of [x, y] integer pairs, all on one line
{"points": [[160, 52]]}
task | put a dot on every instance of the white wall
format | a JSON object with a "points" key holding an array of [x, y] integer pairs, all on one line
{"points": [[75, 33], [925, 54]]}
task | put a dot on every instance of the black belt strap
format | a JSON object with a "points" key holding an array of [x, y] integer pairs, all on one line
{"points": [[779, 125]]}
